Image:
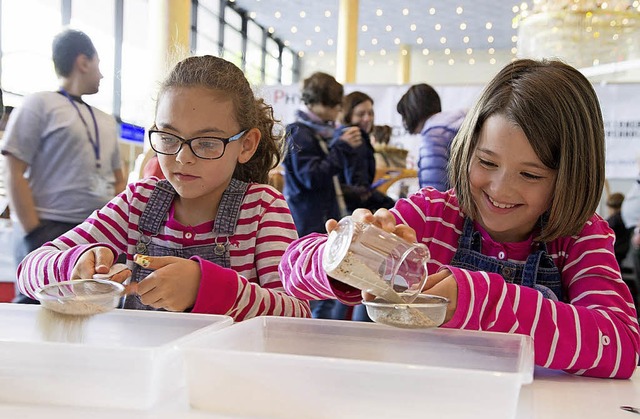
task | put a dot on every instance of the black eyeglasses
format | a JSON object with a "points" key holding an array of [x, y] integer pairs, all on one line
{"points": [[208, 148]]}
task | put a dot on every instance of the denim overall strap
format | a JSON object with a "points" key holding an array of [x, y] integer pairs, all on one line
{"points": [[537, 272], [154, 214], [228, 212]]}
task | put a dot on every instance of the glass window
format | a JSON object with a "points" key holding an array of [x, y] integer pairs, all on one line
{"points": [[207, 31], [254, 62], [101, 29], [273, 48], [254, 32], [232, 46], [233, 18], [137, 88], [287, 66], [212, 6], [272, 67], [26, 48]]}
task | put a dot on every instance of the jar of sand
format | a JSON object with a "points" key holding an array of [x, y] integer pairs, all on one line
{"points": [[373, 260]]}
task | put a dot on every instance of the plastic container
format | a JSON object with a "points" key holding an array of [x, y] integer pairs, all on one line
{"points": [[424, 312], [309, 368], [373, 260], [124, 359]]}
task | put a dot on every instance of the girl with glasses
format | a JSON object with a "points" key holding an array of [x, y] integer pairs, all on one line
{"points": [[212, 233]]}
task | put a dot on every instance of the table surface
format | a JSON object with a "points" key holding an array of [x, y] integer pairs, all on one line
{"points": [[553, 394]]}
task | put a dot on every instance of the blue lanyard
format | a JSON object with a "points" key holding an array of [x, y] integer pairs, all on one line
{"points": [[95, 144]]}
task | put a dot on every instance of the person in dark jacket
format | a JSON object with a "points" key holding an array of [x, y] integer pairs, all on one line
{"points": [[360, 169], [313, 162], [422, 114]]}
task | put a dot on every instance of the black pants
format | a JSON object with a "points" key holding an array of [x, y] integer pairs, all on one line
{"points": [[23, 244]]}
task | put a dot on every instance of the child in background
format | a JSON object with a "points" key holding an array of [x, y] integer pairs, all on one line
{"points": [[213, 231], [515, 244]]}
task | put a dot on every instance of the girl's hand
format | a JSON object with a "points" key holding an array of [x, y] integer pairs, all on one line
{"points": [[97, 260], [352, 136], [443, 284], [173, 285]]}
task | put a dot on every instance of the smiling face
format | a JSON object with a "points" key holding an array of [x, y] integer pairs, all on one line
{"points": [[191, 112], [362, 116], [510, 186]]}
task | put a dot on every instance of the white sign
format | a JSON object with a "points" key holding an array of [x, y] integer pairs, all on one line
{"points": [[620, 112]]}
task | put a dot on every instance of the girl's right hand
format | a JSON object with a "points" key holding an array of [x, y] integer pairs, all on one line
{"points": [[352, 136], [97, 260]]}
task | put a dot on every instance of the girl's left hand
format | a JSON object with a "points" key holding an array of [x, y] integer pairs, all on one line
{"points": [[173, 285], [443, 284]]}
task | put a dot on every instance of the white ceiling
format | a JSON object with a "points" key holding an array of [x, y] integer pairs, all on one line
{"points": [[312, 26]]}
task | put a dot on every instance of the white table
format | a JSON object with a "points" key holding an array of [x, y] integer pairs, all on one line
{"points": [[553, 394]]}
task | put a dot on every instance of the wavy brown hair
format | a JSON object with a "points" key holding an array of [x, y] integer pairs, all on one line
{"points": [[222, 76], [558, 110]]}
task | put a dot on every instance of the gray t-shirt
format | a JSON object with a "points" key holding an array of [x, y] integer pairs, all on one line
{"points": [[47, 133]]}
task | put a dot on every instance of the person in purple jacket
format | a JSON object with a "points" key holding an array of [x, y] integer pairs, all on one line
{"points": [[422, 114]]}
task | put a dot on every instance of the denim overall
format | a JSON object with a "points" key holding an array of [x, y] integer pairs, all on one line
{"points": [[537, 272], [153, 218]]}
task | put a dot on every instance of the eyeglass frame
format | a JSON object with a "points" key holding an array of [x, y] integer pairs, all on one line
{"points": [[183, 141]]}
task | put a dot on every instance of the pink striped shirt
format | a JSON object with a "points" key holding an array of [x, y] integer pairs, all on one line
{"points": [[594, 334], [250, 288]]}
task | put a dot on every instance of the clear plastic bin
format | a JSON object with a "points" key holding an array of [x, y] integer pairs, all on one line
{"points": [[310, 368], [124, 359]]}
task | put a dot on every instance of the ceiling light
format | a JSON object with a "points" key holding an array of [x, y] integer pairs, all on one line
{"points": [[327, 13], [465, 39], [432, 11], [490, 39], [374, 41], [383, 52], [492, 51], [437, 26], [287, 43], [492, 61], [425, 51], [317, 29], [364, 28], [307, 42], [514, 50], [447, 51], [419, 41], [329, 41], [294, 29], [362, 53], [430, 62], [379, 12], [396, 41], [443, 40], [451, 61], [388, 28], [321, 53], [405, 12], [459, 10], [271, 30], [488, 25], [300, 54], [469, 51], [302, 14], [371, 62], [277, 15], [463, 26], [413, 27], [252, 15], [472, 61]]}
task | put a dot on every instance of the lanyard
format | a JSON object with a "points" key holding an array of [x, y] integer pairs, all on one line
{"points": [[95, 144]]}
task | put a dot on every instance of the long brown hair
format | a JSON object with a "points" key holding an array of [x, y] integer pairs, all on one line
{"points": [[558, 110], [220, 75]]}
